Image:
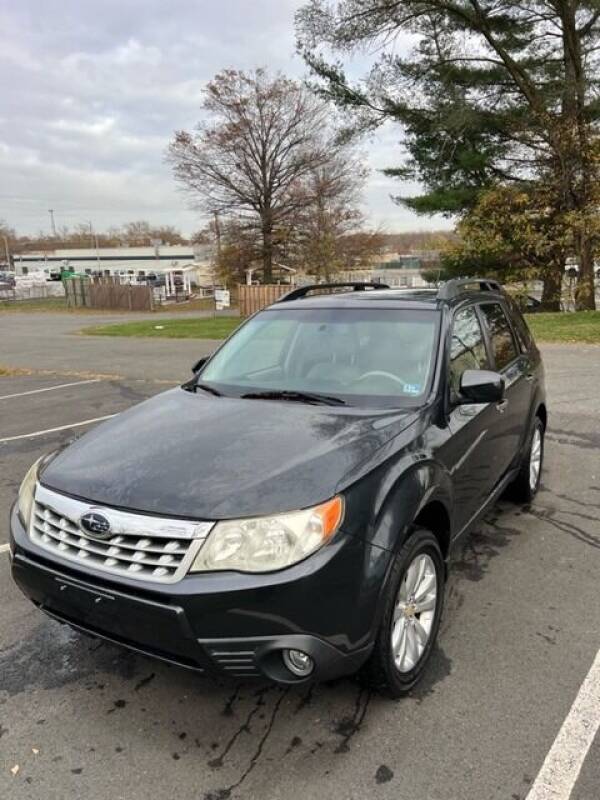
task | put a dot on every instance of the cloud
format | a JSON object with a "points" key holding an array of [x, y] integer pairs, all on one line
{"points": [[96, 128], [92, 93]]}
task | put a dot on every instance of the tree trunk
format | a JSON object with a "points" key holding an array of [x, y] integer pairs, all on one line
{"points": [[585, 295], [267, 254], [551, 293], [578, 156]]}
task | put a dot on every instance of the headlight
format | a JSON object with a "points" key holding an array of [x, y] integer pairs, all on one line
{"points": [[263, 544], [26, 491]]}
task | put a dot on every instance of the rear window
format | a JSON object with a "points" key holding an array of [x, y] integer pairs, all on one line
{"points": [[502, 341], [522, 332]]}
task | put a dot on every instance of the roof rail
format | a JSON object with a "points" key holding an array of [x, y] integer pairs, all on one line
{"points": [[357, 286], [457, 286]]}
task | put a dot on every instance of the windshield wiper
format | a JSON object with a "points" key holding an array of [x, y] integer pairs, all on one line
{"points": [[207, 388], [300, 397]]}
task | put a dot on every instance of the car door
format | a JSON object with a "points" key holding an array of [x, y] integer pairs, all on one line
{"points": [[515, 368], [469, 454]]}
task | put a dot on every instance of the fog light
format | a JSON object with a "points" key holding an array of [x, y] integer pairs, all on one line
{"points": [[301, 664]]}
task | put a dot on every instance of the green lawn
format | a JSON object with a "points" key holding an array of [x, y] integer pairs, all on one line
{"points": [[187, 328], [580, 326], [42, 304]]}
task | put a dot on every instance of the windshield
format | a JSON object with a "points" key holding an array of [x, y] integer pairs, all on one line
{"points": [[363, 356]]}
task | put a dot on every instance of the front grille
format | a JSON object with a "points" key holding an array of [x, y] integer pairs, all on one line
{"points": [[142, 546]]}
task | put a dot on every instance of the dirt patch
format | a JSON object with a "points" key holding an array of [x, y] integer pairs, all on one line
{"points": [[6, 372]]}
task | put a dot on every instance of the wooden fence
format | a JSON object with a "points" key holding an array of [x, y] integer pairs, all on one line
{"points": [[253, 298], [108, 293]]}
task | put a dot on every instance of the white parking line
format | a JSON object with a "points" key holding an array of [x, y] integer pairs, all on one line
{"points": [[4, 548], [53, 430], [563, 763], [49, 388]]}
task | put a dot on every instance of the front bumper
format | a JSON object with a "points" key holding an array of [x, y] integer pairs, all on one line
{"points": [[222, 623]]}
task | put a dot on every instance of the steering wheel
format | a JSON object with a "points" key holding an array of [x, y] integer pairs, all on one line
{"points": [[377, 373]]}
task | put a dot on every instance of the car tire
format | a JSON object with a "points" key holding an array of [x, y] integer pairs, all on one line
{"points": [[395, 666], [525, 486]]}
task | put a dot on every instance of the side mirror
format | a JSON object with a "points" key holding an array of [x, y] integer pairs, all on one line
{"points": [[481, 386], [199, 364]]}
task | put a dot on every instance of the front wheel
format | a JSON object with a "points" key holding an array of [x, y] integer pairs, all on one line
{"points": [[526, 484], [411, 618]]}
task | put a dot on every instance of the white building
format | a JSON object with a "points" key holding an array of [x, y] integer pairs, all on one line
{"points": [[130, 263]]}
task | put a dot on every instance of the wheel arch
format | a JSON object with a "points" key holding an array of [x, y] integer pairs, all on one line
{"points": [[434, 516], [420, 496], [542, 412]]}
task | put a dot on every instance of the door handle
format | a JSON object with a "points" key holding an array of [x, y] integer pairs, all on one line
{"points": [[502, 405], [529, 377]]}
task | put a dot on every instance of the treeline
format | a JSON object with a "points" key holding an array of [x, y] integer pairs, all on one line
{"points": [[132, 234], [420, 241]]}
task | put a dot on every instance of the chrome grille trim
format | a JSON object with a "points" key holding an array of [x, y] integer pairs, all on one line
{"points": [[141, 546]]}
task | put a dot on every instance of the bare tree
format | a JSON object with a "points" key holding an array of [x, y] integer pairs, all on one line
{"points": [[330, 217], [264, 137]]}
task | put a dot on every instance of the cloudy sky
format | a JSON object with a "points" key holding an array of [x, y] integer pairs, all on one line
{"points": [[92, 91]]}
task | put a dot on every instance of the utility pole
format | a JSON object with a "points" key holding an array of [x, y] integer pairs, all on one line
{"points": [[156, 243], [6, 250], [218, 233], [52, 225], [94, 241]]}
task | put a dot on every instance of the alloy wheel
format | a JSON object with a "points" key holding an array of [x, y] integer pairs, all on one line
{"points": [[414, 612], [535, 459]]}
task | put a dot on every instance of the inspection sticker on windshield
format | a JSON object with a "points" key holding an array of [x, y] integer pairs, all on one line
{"points": [[412, 388]]}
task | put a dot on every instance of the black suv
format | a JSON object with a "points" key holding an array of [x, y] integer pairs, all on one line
{"points": [[290, 511]]}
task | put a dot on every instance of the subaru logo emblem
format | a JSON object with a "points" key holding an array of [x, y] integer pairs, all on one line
{"points": [[96, 525]]}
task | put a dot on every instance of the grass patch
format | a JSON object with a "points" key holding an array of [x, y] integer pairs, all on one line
{"points": [[5, 372], [184, 328], [200, 304], [41, 304], [579, 326]]}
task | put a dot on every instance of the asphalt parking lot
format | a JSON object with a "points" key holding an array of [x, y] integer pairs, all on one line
{"points": [[51, 342], [80, 718]]}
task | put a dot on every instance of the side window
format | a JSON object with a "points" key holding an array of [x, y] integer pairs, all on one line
{"points": [[520, 327], [501, 338], [467, 349]]}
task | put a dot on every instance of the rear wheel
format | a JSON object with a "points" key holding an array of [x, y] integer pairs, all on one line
{"points": [[526, 484], [411, 618]]}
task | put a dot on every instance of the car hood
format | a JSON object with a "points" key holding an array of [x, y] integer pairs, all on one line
{"points": [[205, 457]]}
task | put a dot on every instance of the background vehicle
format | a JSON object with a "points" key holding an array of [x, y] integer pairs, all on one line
{"points": [[7, 280], [294, 513], [152, 279]]}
